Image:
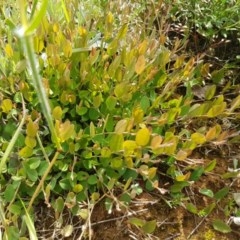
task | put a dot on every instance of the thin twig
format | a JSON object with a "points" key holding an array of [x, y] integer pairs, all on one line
{"points": [[195, 229]]}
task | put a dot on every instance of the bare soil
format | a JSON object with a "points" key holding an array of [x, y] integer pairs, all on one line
{"points": [[172, 223]]}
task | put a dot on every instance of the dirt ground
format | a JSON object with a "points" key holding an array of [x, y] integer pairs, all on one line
{"points": [[172, 223], [175, 223]]}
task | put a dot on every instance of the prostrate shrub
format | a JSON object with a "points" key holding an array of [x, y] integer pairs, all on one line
{"points": [[123, 107]]}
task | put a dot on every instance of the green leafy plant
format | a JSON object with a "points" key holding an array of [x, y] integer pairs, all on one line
{"points": [[104, 108]]}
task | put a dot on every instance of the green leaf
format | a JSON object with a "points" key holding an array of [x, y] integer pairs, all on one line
{"points": [[144, 103], [178, 186], [116, 142], [65, 184], [9, 193], [97, 100], [59, 205], [81, 110], [218, 75], [15, 208], [206, 192], [221, 226], [11, 232], [34, 163], [126, 198], [207, 210], [116, 163], [42, 168], [149, 227], [93, 114], [31, 173], [221, 193], [191, 208], [136, 221], [111, 102], [82, 176], [210, 166], [210, 91], [92, 180], [196, 174]]}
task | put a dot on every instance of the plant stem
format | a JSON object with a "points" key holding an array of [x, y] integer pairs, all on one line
{"points": [[40, 185]]}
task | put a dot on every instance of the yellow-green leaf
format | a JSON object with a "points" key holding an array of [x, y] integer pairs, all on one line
{"points": [[8, 50], [143, 137], [32, 129], [67, 49], [77, 188], [64, 130], [210, 91], [142, 47], [216, 110], [120, 90], [121, 126], [149, 227], [105, 152], [116, 163], [129, 147], [6, 105], [116, 142], [57, 113], [198, 138], [140, 64], [30, 142], [138, 114], [235, 104], [181, 178], [152, 172], [26, 152], [111, 102], [92, 129]]}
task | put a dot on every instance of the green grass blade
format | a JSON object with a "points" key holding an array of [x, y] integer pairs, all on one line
{"points": [[65, 11], [34, 23], [30, 225]]}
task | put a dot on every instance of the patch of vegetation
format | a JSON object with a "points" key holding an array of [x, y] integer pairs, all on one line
{"points": [[98, 105]]}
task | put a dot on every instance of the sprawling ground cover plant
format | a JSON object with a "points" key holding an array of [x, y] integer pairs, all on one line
{"points": [[120, 105]]}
